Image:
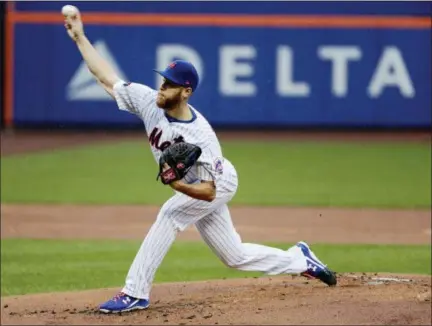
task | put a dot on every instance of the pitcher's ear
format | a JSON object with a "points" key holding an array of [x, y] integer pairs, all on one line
{"points": [[187, 92]]}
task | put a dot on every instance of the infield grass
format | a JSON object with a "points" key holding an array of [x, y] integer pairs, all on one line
{"points": [[31, 266], [270, 173]]}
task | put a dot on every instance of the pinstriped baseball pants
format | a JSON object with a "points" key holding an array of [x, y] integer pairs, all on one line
{"points": [[214, 223]]}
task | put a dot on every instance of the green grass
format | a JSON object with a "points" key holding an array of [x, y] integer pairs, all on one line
{"points": [[31, 266], [277, 173]]}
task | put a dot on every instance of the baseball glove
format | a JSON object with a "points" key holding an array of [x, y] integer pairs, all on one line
{"points": [[180, 157]]}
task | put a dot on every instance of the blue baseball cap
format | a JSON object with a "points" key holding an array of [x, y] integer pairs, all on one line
{"points": [[182, 73]]}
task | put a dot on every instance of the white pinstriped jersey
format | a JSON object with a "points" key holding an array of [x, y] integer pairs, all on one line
{"points": [[211, 218], [163, 130]]}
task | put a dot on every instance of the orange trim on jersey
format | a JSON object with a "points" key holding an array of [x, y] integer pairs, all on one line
{"points": [[230, 20], [9, 69]]}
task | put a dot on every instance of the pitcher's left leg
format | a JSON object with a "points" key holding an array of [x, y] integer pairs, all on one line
{"points": [[219, 233]]}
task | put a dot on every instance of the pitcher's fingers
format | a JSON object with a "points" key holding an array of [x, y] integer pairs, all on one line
{"points": [[76, 16], [68, 20]]}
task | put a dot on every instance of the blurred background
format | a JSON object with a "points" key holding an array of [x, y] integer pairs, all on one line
{"points": [[323, 106], [315, 65]]}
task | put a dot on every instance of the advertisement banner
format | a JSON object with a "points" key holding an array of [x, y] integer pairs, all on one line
{"points": [[250, 76]]}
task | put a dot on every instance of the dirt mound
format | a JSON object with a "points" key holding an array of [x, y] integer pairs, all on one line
{"points": [[287, 224], [358, 299]]}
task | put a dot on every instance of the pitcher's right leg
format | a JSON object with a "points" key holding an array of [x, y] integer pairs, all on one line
{"points": [[176, 214]]}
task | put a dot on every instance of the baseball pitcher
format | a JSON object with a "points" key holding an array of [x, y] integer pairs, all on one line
{"points": [[191, 162]]}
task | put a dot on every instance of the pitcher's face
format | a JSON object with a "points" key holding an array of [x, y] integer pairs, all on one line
{"points": [[170, 95]]}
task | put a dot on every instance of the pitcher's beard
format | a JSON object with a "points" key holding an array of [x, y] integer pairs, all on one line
{"points": [[168, 104]]}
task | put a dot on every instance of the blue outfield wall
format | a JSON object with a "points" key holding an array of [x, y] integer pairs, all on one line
{"points": [[285, 77]]}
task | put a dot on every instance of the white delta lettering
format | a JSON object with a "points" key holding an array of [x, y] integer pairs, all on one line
{"points": [[285, 84], [230, 69], [340, 57], [391, 72], [236, 69]]}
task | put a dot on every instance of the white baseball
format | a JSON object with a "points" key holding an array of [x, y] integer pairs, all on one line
{"points": [[69, 10]]}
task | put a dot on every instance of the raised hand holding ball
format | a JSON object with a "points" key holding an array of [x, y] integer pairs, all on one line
{"points": [[73, 21]]}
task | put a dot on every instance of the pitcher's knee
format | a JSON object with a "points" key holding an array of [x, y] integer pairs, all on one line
{"points": [[166, 216], [235, 262], [176, 217]]}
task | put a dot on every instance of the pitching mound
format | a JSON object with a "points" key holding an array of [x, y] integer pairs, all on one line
{"points": [[358, 299]]}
